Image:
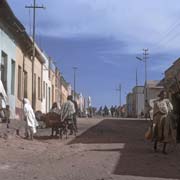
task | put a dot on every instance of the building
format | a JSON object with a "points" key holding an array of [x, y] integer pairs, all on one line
{"points": [[171, 84], [81, 104], [38, 79], [15, 49], [57, 86], [64, 90], [153, 89], [46, 89], [43, 87], [138, 101], [129, 104]]}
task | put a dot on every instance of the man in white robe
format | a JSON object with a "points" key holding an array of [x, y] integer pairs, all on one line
{"points": [[31, 122]]}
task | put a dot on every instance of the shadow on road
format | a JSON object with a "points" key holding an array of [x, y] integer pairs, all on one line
{"points": [[46, 137], [137, 157]]}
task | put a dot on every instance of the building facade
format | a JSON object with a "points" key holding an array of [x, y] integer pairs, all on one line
{"points": [[138, 101], [46, 86], [171, 84], [43, 87], [129, 103]]}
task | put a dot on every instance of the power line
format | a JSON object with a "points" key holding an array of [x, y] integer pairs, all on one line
{"points": [[167, 34]]}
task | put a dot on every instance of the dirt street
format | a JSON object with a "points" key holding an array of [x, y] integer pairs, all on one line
{"points": [[109, 149]]}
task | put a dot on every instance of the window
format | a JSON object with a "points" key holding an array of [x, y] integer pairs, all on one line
{"points": [[52, 93], [44, 89], [12, 76], [34, 93], [49, 71], [49, 98], [25, 84], [56, 83], [39, 88], [4, 70], [19, 82]]}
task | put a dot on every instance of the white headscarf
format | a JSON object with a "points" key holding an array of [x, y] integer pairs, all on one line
{"points": [[30, 116]]}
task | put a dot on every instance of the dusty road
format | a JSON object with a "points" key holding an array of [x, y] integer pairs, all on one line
{"points": [[108, 149]]}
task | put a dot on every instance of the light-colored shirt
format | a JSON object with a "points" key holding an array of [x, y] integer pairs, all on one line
{"points": [[67, 110]]}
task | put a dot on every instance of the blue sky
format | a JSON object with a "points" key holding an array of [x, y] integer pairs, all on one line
{"points": [[103, 37]]}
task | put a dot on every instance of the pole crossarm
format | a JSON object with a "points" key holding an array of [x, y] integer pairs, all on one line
{"points": [[32, 7], [140, 59]]}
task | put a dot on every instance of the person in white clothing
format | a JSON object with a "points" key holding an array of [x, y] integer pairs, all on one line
{"points": [[31, 122]]}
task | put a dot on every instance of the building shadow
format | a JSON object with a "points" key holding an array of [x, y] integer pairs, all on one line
{"points": [[137, 157]]}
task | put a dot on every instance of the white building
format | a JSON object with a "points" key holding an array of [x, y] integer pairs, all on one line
{"points": [[46, 94], [138, 101]]}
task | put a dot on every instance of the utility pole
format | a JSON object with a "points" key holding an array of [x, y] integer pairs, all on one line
{"points": [[136, 78], [74, 68], [34, 7], [119, 89], [144, 59], [137, 96]]}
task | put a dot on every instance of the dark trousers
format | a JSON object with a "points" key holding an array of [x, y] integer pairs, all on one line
{"points": [[178, 130], [75, 121]]}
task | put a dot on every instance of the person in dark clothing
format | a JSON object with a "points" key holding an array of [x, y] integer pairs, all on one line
{"points": [[7, 115], [112, 111], [106, 111]]}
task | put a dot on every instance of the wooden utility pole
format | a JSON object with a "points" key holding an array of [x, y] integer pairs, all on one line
{"points": [[144, 59], [34, 7]]}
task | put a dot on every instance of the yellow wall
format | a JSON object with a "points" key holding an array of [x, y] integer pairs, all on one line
{"points": [[20, 59], [28, 69], [64, 94], [38, 72], [52, 79]]}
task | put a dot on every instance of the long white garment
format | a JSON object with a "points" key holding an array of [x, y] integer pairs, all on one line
{"points": [[30, 116], [151, 103], [165, 106], [2, 90]]}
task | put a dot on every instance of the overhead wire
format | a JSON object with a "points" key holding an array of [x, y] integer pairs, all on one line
{"points": [[168, 34]]}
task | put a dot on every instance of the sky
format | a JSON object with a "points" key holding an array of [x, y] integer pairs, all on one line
{"points": [[103, 38]]}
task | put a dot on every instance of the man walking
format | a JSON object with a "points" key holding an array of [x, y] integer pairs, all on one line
{"points": [[75, 114], [67, 113]]}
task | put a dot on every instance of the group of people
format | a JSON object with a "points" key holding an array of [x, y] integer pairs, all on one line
{"points": [[164, 124], [68, 112], [114, 111]]}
